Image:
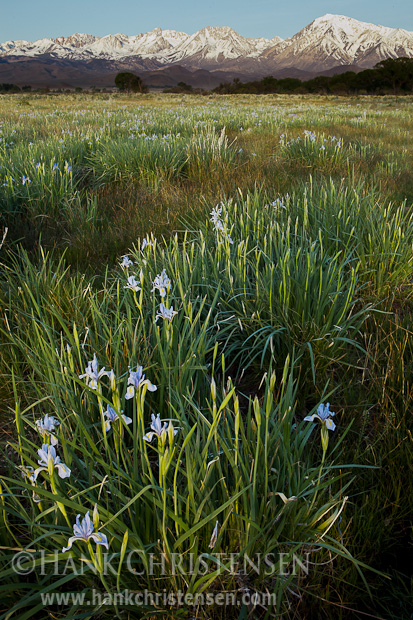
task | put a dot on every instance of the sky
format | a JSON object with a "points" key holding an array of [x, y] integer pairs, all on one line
{"points": [[35, 19]]}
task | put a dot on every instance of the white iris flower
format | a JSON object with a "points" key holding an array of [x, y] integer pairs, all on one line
{"points": [[165, 313], [49, 461], [46, 426], [112, 416], [126, 262], [136, 380], [132, 284], [93, 374], [159, 430], [162, 283], [84, 530]]}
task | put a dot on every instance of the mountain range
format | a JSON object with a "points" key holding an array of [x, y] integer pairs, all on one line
{"points": [[331, 43]]}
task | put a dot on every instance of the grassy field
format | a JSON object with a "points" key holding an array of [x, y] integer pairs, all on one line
{"points": [[232, 264]]}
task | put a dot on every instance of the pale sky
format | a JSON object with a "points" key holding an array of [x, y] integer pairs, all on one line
{"points": [[35, 19]]}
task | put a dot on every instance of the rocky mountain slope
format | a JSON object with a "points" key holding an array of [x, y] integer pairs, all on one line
{"points": [[328, 42], [337, 40]]}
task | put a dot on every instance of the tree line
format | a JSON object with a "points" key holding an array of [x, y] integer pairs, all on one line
{"points": [[5, 87], [390, 76]]}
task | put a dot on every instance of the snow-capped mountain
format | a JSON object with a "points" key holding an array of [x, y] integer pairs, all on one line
{"points": [[262, 44], [27, 48], [157, 42], [76, 40], [212, 45], [334, 40], [10, 45], [327, 43], [166, 46]]}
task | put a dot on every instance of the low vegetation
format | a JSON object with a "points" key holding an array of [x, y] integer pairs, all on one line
{"points": [[206, 355]]}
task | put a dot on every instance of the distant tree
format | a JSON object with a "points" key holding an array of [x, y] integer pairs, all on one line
{"points": [[185, 87], [396, 73], [318, 84], [9, 88], [287, 85], [343, 83], [130, 83], [368, 81], [269, 84], [221, 89]]}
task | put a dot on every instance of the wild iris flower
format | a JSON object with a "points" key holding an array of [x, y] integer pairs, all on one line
{"points": [[277, 204], [49, 461], [165, 313], [136, 380], [93, 374], [84, 530], [112, 416], [46, 426], [132, 284], [216, 214], [146, 242], [126, 262], [28, 472], [324, 415], [159, 430], [162, 283], [219, 225]]}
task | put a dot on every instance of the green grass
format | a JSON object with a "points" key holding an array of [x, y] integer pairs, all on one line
{"points": [[290, 275]]}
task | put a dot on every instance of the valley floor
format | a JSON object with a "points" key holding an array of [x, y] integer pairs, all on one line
{"points": [[238, 262]]}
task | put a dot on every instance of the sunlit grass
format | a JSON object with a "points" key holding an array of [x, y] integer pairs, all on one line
{"points": [[296, 291]]}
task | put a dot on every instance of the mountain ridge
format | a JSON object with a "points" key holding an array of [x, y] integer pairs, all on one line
{"points": [[327, 42]]}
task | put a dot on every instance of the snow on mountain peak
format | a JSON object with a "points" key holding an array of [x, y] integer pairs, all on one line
{"points": [[333, 40], [329, 40], [76, 40]]}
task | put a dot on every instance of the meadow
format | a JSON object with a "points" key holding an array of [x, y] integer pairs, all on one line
{"points": [[206, 355]]}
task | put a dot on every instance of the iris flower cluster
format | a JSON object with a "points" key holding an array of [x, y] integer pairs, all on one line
{"points": [[220, 223], [48, 461], [162, 284]]}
